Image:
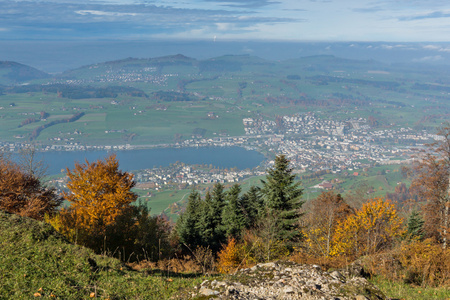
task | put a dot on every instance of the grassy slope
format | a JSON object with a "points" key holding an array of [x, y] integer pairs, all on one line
{"points": [[397, 290], [36, 259]]}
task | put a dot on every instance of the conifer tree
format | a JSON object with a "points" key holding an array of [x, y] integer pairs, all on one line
{"points": [[282, 198], [415, 226], [188, 226], [206, 220], [211, 220], [233, 217], [252, 206]]}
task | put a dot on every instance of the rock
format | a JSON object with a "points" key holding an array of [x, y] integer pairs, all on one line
{"points": [[298, 282], [208, 292], [270, 265], [288, 290], [338, 276]]}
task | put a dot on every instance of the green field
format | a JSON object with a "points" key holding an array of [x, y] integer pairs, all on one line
{"points": [[121, 97]]}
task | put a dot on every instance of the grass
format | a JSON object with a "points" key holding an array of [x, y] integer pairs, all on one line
{"points": [[397, 290], [36, 261]]}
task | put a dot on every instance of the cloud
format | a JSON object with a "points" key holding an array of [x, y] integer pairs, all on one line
{"points": [[126, 19], [396, 46], [244, 3], [294, 9], [247, 50], [369, 9], [432, 15], [104, 13], [436, 48], [429, 58]]}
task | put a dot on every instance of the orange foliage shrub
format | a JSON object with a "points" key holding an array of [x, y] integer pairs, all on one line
{"points": [[427, 262], [418, 262], [22, 192], [230, 257]]}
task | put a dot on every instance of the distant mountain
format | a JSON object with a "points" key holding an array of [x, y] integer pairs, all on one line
{"points": [[329, 63], [148, 65], [15, 73], [167, 64]]}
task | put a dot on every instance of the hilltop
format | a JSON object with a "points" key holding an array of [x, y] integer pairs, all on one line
{"points": [[37, 261], [14, 73]]}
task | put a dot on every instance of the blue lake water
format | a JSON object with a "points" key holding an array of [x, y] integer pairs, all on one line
{"points": [[129, 160]]}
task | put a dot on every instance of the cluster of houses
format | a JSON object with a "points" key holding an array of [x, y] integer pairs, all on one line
{"points": [[182, 175]]}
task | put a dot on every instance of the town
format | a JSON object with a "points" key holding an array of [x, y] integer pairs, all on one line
{"points": [[311, 143]]}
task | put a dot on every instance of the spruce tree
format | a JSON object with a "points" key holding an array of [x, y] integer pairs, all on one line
{"points": [[233, 217], [282, 199], [252, 206], [188, 226], [211, 224], [415, 226]]}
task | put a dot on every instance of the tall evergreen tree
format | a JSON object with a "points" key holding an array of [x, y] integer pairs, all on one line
{"points": [[282, 198], [252, 206], [213, 235], [415, 226], [233, 217], [188, 226]]}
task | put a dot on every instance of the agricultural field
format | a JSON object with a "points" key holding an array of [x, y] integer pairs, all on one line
{"points": [[170, 99]]}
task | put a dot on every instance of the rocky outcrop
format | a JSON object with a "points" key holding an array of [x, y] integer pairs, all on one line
{"points": [[287, 280]]}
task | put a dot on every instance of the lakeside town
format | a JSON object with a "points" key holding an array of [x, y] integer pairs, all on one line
{"points": [[310, 142]]}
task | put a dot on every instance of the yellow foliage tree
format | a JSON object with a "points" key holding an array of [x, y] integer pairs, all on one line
{"points": [[373, 228], [321, 221], [99, 193]]}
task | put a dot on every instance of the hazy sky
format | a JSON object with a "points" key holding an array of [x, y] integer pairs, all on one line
{"points": [[300, 20]]}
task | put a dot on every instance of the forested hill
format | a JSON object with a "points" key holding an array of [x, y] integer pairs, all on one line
{"points": [[14, 73]]}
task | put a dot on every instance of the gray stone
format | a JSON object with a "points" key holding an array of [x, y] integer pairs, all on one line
{"points": [[298, 282], [337, 275], [208, 292], [269, 265], [288, 290]]}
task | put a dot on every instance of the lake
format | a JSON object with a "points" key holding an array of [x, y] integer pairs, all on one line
{"points": [[129, 160]]}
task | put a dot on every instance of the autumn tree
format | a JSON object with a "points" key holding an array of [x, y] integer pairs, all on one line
{"points": [[282, 199], [372, 228], [22, 192], [432, 182], [325, 212], [98, 194]]}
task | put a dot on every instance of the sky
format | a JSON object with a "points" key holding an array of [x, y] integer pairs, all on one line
{"points": [[216, 20]]}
